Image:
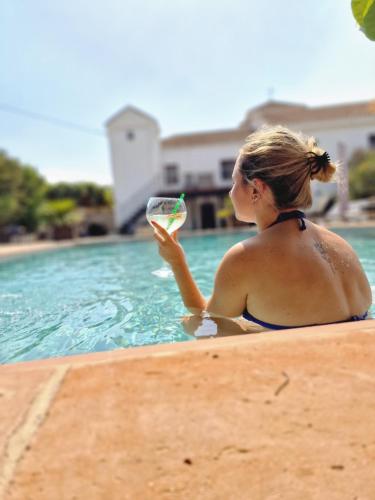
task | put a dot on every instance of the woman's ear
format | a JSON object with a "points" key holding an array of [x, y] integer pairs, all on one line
{"points": [[258, 185]]}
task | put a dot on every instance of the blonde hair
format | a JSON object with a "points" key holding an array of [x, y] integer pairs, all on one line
{"points": [[286, 161]]}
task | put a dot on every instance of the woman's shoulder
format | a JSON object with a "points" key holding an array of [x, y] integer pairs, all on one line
{"points": [[242, 254], [331, 237]]}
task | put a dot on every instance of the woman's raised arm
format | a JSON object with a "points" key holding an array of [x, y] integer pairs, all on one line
{"points": [[229, 295]]}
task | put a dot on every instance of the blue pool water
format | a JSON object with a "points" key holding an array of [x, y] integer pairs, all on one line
{"points": [[104, 297]]}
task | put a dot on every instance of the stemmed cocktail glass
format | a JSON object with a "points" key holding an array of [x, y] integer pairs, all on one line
{"points": [[170, 213]]}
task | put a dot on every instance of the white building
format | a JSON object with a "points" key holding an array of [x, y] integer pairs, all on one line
{"points": [[201, 164]]}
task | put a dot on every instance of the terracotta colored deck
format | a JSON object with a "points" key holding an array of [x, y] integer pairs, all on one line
{"points": [[276, 415]]}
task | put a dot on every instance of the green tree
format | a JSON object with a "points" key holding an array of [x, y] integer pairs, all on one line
{"points": [[85, 194], [26, 198], [22, 191], [357, 157], [362, 177], [10, 180], [108, 196], [31, 194], [58, 212]]}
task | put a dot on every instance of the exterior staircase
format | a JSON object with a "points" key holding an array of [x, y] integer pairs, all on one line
{"points": [[138, 202]]}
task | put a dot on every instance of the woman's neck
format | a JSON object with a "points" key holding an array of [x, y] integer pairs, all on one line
{"points": [[265, 216]]}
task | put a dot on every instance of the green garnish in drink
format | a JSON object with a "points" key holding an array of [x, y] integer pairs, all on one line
{"points": [[174, 211]]}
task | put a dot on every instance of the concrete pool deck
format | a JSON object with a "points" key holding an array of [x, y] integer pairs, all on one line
{"points": [[274, 415]]}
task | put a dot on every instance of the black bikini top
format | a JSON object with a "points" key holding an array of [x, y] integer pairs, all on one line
{"points": [[294, 214]]}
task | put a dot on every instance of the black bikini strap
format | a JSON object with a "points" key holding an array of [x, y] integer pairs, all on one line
{"points": [[295, 214]]}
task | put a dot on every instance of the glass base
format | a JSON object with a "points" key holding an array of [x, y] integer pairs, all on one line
{"points": [[163, 272]]}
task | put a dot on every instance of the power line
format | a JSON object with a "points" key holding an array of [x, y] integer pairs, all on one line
{"points": [[8, 108]]}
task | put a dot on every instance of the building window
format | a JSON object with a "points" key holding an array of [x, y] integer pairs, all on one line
{"points": [[227, 167], [171, 174], [130, 135], [189, 181], [205, 181], [371, 141]]}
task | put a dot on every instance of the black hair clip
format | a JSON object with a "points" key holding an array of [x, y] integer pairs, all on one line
{"points": [[317, 162]]}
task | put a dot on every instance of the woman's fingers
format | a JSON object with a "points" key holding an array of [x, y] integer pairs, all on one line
{"points": [[161, 229], [162, 234], [159, 238]]}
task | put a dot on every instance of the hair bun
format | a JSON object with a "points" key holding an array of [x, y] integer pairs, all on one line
{"points": [[319, 163]]}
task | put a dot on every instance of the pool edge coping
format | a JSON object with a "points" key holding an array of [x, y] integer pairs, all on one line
{"points": [[306, 334]]}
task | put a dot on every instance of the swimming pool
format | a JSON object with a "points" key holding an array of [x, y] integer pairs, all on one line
{"points": [[104, 297]]}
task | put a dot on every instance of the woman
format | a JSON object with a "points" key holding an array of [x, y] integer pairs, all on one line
{"points": [[293, 272]]}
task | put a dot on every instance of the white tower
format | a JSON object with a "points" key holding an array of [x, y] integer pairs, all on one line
{"points": [[135, 157]]}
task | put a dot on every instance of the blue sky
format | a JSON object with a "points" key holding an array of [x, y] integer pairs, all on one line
{"points": [[193, 65]]}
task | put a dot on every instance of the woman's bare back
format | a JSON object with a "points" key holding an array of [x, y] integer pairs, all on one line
{"points": [[304, 277]]}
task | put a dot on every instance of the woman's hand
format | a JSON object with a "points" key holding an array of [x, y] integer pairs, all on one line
{"points": [[169, 248], [211, 326]]}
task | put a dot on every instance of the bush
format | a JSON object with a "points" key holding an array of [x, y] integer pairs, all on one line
{"points": [[22, 191], [85, 194], [28, 201], [59, 213], [362, 176]]}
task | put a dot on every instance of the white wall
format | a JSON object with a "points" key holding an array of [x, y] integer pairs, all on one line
{"points": [[198, 160], [135, 163], [353, 132]]}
